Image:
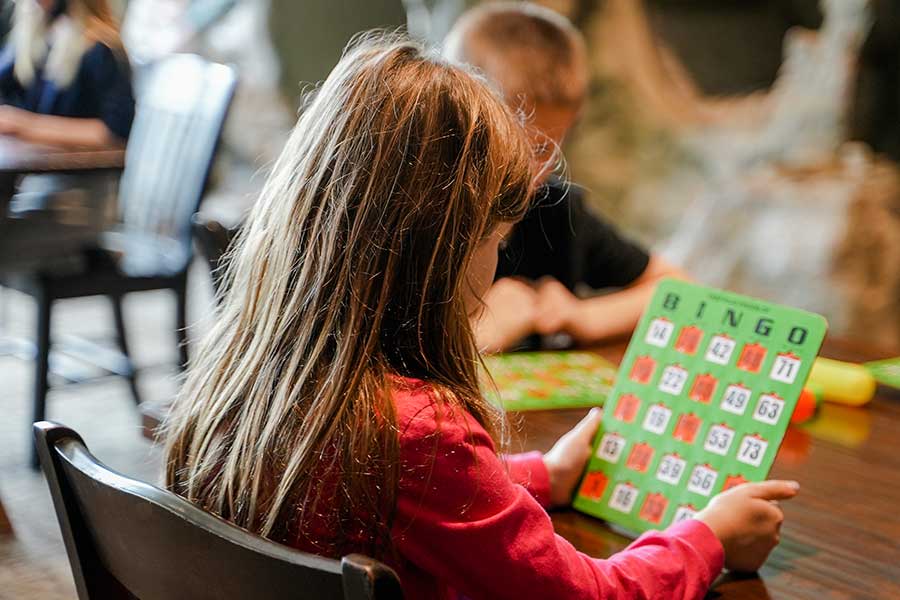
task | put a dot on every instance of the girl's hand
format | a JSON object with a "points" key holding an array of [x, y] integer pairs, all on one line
{"points": [[568, 457], [747, 520], [13, 121]]}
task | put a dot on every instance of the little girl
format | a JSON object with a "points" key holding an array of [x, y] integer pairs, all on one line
{"points": [[335, 405]]}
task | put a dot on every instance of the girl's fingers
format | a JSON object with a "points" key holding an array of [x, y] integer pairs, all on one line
{"points": [[588, 426], [773, 490]]}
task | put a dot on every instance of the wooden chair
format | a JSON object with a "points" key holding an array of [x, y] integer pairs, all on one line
{"points": [[126, 539], [179, 119], [214, 240]]}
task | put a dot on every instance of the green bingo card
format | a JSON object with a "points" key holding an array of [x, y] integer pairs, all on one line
{"points": [[544, 380], [701, 403]]}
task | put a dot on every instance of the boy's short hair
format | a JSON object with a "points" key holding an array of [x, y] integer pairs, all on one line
{"points": [[532, 53]]}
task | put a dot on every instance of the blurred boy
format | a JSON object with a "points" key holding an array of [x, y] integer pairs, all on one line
{"points": [[539, 62]]}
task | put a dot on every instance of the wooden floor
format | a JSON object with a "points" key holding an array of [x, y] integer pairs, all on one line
{"points": [[32, 561]]}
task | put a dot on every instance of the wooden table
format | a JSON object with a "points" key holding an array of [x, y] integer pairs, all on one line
{"points": [[841, 537], [19, 158]]}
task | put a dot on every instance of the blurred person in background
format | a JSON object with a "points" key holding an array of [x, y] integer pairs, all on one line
{"points": [[64, 75], [65, 80], [538, 61]]}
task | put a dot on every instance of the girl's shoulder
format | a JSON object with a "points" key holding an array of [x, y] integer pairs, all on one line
{"points": [[423, 412], [415, 400]]}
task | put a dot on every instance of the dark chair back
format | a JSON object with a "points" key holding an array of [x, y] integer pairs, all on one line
{"points": [[214, 240], [178, 122], [127, 539]]}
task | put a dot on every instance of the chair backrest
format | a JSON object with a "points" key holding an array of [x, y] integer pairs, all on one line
{"points": [[214, 240], [128, 539], [180, 114]]}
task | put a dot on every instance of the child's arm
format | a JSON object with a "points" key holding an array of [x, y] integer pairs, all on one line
{"points": [[602, 257], [551, 478], [594, 319], [460, 517], [53, 130]]}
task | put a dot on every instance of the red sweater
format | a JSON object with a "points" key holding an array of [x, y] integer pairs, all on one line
{"points": [[470, 524]]}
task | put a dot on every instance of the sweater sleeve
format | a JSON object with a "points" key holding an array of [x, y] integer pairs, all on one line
{"points": [[529, 471], [461, 518]]}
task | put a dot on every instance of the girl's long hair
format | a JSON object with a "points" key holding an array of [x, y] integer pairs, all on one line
{"points": [[350, 271], [84, 23]]}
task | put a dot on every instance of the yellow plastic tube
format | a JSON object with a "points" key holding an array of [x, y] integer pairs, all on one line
{"points": [[842, 382]]}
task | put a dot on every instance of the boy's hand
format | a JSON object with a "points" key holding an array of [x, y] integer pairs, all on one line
{"points": [[747, 520], [556, 308], [507, 316], [568, 457]]}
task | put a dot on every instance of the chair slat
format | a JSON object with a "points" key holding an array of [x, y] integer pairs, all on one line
{"points": [[177, 127]]}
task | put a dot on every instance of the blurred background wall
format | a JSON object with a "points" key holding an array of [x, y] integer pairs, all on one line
{"points": [[310, 35]]}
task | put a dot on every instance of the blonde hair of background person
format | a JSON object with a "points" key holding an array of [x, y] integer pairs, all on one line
{"points": [[59, 45], [539, 62], [85, 22], [348, 304]]}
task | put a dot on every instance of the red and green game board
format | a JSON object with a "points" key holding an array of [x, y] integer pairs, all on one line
{"points": [[702, 401], [545, 380]]}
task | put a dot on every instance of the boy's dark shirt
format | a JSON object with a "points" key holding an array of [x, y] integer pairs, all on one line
{"points": [[560, 238]]}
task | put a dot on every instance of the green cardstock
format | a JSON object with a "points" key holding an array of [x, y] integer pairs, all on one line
{"points": [[886, 372], [546, 380], [701, 403]]}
